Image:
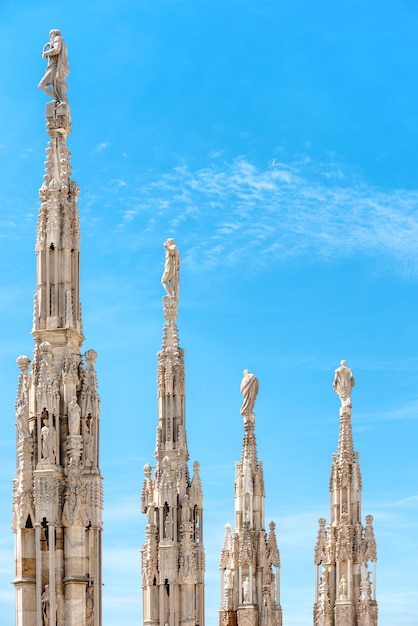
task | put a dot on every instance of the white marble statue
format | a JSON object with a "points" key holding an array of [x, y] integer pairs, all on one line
{"points": [[185, 510], [342, 588], [45, 606], [49, 441], [365, 587], [249, 390], [228, 579], [343, 383], [170, 279], [54, 82], [22, 421], [74, 413], [246, 590], [88, 445]]}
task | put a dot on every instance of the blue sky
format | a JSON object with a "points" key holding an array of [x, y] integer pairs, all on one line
{"points": [[277, 142]]}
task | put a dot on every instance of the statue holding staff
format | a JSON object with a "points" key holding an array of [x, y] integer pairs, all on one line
{"points": [[54, 82]]}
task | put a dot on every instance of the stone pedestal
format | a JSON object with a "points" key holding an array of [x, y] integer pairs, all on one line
{"points": [[247, 615], [344, 613]]}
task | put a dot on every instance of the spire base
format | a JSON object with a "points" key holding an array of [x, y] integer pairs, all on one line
{"points": [[58, 117]]}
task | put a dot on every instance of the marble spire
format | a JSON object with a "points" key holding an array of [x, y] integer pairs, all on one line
{"points": [[57, 492], [173, 560], [250, 559], [345, 588]]}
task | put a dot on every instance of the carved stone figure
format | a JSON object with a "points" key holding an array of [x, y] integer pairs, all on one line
{"points": [[49, 441], [22, 422], [89, 609], [246, 590], [185, 510], [343, 384], [171, 276], [45, 606], [57, 69], [249, 390], [365, 583], [167, 526], [342, 588], [88, 445], [74, 413], [228, 579]]}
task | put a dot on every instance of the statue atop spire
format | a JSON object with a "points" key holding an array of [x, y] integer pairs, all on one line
{"points": [[249, 390], [170, 279], [54, 81], [57, 490], [343, 383]]}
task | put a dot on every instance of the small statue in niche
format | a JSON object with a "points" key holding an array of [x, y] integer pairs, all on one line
{"points": [[88, 444], [228, 578], [342, 588], [49, 440], [74, 414], [185, 509], [246, 590], [167, 525], [45, 606]]}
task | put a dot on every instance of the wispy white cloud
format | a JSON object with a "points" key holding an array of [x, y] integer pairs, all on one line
{"points": [[100, 147], [289, 209]]}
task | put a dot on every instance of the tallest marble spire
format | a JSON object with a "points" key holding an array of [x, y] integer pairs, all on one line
{"points": [[57, 492], [173, 560], [345, 593]]}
